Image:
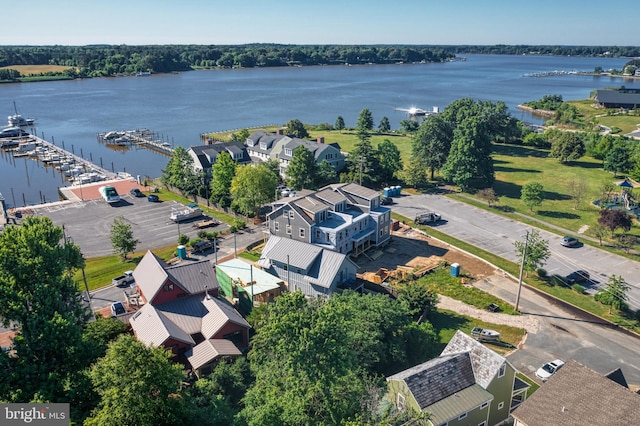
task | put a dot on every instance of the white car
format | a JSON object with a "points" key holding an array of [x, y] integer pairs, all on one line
{"points": [[543, 373]]}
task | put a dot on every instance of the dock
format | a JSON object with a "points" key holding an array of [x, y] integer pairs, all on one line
{"points": [[141, 137]]}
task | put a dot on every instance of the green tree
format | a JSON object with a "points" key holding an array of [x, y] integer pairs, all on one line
{"points": [[363, 162], [432, 143], [241, 136], [326, 174], [614, 293], [365, 120], [39, 296], [302, 169], [384, 125], [389, 160], [414, 173], [532, 194], [138, 385], [180, 173], [409, 126], [537, 251], [251, 187], [222, 173], [339, 124], [122, 238], [618, 159], [296, 128], [567, 147]]}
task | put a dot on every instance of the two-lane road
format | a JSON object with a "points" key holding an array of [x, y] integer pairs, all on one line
{"points": [[496, 234]]}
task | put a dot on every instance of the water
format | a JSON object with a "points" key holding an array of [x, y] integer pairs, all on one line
{"points": [[180, 107]]}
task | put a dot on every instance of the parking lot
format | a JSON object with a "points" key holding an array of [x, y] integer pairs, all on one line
{"points": [[88, 223]]}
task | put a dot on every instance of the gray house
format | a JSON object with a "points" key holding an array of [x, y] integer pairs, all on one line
{"points": [[620, 98], [311, 269], [265, 146], [345, 218], [204, 156]]}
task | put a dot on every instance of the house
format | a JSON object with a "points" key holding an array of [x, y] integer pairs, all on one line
{"points": [[183, 314], [576, 395], [265, 146], [467, 384], [620, 98], [247, 285], [345, 218], [445, 388], [314, 270], [204, 156]]}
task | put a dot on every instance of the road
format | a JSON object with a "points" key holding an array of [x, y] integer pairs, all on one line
{"points": [[496, 234]]}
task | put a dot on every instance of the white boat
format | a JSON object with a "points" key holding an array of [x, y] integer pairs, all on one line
{"points": [[16, 120], [109, 194], [26, 146], [485, 334], [182, 213]]}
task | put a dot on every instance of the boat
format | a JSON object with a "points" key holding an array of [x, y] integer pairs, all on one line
{"points": [[16, 120], [109, 194], [485, 334], [143, 74], [182, 213]]}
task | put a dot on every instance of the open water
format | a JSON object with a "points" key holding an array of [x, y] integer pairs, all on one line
{"points": [[182, 106]]}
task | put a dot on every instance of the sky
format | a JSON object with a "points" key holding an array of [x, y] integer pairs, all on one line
{"points": [[476, 22]]}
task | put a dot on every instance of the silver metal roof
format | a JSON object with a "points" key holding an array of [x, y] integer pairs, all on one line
{"points": [[207, 351]]}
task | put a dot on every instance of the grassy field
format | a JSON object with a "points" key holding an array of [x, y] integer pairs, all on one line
{"points": [[611, 118], [36, 69]]}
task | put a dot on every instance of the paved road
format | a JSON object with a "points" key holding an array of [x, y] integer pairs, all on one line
{"points": [[497, 234], [564, 335]]}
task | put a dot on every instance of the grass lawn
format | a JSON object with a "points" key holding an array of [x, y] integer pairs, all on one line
{"points": [[607, 117], [25, 70]]}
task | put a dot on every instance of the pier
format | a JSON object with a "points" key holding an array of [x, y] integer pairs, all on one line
{"points": [[141, 137]]}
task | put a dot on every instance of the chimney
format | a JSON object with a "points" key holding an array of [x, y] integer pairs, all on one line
{"points": [[320, 139]]}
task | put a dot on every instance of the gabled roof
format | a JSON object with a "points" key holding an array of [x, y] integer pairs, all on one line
{"points": [[311, 204], [359, 191], [486, 363], [438, 378], [576, 395], [150, 275], [623, 97], [207, 154], [316, 148], [329, 196], [207, 351], [181, 318]]}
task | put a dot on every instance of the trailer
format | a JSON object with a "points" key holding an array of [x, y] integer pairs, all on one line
{"points": [[182, 213], [206, 223]]}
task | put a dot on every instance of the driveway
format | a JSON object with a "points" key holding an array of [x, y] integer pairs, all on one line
{"points": [[496, 234]]}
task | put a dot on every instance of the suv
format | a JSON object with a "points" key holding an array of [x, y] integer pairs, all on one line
{"points": [[549, 369], [136, 192], [117, 308], [568, 241]]}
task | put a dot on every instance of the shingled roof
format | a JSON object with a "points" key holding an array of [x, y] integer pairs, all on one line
{"points": [[577, 396]]}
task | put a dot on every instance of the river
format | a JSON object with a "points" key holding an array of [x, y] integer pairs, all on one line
{"points": [[180, 107]]}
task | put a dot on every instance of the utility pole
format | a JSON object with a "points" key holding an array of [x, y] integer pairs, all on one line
{"points": [[524, 256]]}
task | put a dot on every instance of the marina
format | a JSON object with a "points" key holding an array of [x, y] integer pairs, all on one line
{"points": [[142, 137]]}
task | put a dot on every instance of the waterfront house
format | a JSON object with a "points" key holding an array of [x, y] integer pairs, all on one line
{"points": [[345, 218], [620, 98], [204, 156]]}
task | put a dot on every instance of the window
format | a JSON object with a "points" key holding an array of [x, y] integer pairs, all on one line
{"points": [[462, 416], [291, 214], [301, 232], [318, 234], [276, 226], [484, 405], [500, 406], [168, 287], [288, 151], [289, 229], [263, 145], [400, 401], [503, 370]]}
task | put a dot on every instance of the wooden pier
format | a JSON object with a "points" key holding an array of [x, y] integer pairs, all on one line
{"points": [[140, 137]]}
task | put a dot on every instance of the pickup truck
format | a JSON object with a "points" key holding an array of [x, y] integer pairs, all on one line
{"points": [[124, 279], [203, 246]]}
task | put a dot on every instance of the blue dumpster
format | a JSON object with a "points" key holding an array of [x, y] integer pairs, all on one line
{"points": [[455, 269], [182, 252]]}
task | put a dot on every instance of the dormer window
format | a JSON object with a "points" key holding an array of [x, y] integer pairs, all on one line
{"points": [[249, 142], [288, 151], [263, 145]]}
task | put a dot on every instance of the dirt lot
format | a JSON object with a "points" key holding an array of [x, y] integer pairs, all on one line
{"points": [[413, 248]]}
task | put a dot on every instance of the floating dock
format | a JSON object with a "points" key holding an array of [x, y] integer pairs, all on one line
{"points": [[141, 137]]}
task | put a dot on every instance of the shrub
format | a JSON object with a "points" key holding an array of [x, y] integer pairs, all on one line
{"points": [[578, 288], [542, 273], [183, 239]]}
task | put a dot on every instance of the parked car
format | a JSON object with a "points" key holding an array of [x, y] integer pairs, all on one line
{"points": [[549, 369], [577, 277], [153, 198], [568, 241], [136, 192], [117, 308], [385, 201]]}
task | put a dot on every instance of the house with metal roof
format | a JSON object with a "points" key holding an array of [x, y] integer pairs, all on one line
{"points": [[576, 395], [204, 156], [618, 98], [265, 146], [182, 313], [314, 270], [469, 384], [346, 218]]}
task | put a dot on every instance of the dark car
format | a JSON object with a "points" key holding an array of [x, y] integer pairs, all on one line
{"points": [[568, 241], [577, 277], [153, 198], [136, 192], [385, 201]]}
